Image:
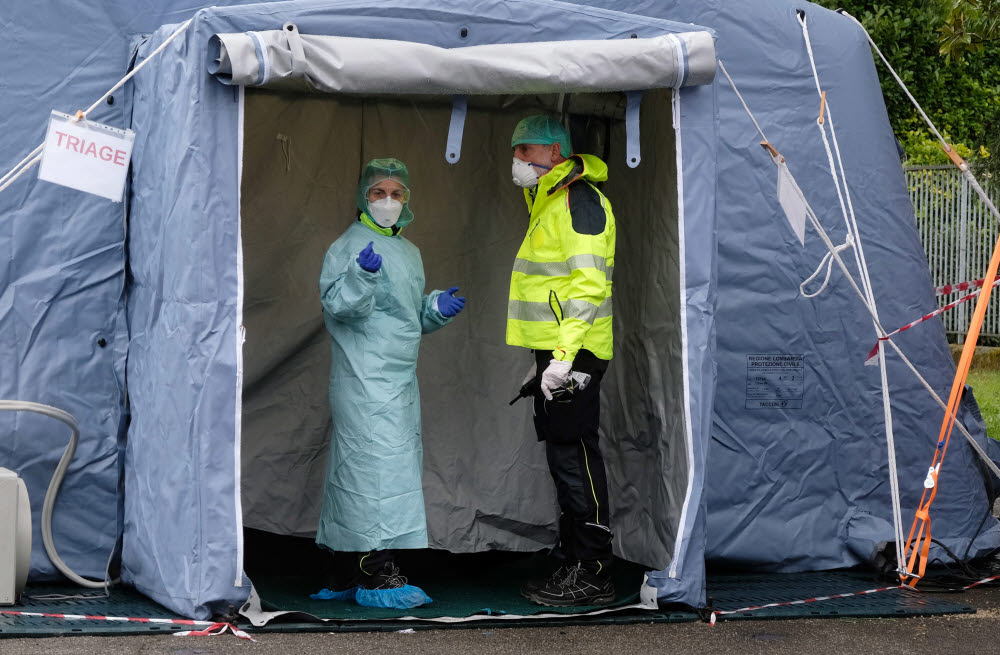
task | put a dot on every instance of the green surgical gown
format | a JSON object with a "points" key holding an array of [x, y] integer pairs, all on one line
{"points": [[373, 498]]}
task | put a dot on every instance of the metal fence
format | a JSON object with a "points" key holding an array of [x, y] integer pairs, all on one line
{"points": [[958, 234]]}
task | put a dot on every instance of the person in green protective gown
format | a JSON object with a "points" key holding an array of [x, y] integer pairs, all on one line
{"points": [[375, 308]]}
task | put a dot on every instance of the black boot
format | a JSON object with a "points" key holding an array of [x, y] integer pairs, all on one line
{"points": [[343, 571], [387, 577], [529, 588], [580, 585], [375, 569], [563, 552]]}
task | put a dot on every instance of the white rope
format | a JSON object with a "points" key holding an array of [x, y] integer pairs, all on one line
{"points": [[138, 68], [862, 264], [828, 262], [814, 220], [879, 329], [961, 428], [930, 124], [37, 151], [819, 123], [905, 90], [740, 96], [27, 167], [982, 195], [35, 156], [979, 191]]}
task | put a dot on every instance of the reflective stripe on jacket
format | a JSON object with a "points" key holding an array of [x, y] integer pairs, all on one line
{"points": [[560, 288]]}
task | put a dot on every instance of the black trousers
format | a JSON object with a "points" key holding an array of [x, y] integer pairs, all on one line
{"points": [[570, 432]]}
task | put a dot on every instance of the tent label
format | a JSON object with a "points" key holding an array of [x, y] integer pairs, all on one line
{"points": [[775, 381], [86, 156]]}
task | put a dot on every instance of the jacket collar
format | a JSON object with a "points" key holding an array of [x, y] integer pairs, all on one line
{"points": [[387, 231], [564, 174]]}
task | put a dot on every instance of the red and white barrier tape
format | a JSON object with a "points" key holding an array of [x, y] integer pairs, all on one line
{"points": [[819, 598], [211, 627], [961, 286], [937, 312], [802, 602], [983, 581], [214, 630]]}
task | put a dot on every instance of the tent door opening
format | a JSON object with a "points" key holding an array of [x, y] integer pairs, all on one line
{"points": [[486, 482]]}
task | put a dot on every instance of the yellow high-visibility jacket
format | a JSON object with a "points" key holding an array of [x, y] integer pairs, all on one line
{"points": [[560, 289]]}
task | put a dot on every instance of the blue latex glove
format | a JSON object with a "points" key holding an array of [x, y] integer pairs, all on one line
{"points": [[448, 304], [369, 260]]}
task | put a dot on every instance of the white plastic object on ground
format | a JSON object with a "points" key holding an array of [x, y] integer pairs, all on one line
{"points": [[15, 536], [54, 484]]}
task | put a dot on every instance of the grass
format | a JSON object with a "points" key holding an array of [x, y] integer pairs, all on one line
{"points": [[986, 384]]}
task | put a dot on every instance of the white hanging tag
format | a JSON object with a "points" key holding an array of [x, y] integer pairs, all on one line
{"points": [[791, 202]]}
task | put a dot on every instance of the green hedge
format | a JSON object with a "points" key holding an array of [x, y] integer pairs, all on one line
{"points": [[961, 97]]}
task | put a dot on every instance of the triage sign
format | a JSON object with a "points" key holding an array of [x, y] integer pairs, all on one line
{"points": [[87, 156]]}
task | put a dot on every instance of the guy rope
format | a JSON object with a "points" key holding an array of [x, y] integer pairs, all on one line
{"points": [[919, 540]]}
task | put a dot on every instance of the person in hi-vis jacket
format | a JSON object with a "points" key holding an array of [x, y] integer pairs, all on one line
{"points": [[560, 307]]}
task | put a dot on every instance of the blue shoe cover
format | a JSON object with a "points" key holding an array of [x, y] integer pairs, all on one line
{"points": [[403, 598], [326, 594]]}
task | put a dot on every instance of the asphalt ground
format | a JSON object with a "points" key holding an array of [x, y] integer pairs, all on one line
{"points": [[977, 633]]}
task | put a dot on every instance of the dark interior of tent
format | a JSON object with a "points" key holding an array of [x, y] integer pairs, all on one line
{"points": [[490, 502]]}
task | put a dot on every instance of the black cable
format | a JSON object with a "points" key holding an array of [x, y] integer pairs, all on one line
{"points": [[989, 513], [962, 563]]}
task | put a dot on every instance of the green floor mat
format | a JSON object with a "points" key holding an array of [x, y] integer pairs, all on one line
{"points": [[491, 590], [461, 591], [460, 585], [739, 591], [123, 602]]}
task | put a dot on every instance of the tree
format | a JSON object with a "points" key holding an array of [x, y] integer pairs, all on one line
{"points": [[969, 26], [973, 26], [961, 95]]}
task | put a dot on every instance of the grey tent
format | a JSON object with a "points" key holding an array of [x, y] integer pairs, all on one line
{"points": [[181, 329]]}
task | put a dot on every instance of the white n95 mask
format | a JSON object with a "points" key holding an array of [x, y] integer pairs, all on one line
{"points": [[524, 173], [385, 212]]}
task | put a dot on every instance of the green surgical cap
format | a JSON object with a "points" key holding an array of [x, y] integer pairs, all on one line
{"points": [[386, 168], [544, 130]]}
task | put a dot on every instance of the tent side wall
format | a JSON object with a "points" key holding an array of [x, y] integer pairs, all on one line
{"points": [[41, 296], [182, 515], [824, 490], [696, 124], [62, 328]]}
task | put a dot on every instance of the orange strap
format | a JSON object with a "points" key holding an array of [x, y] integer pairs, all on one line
{"points": [[919, 541]]}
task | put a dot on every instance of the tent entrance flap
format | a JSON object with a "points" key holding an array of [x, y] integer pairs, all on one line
{"points": [[485, 478], [286, 59]]}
